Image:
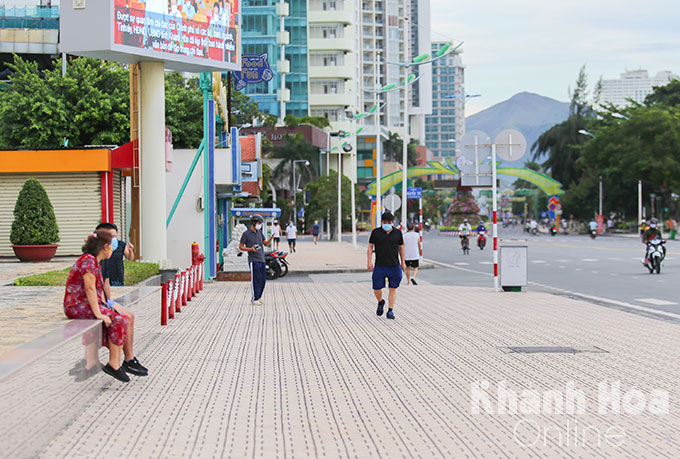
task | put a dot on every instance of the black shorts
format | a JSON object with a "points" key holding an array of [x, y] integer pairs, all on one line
{"points": [[277, 239], [412, 263]]}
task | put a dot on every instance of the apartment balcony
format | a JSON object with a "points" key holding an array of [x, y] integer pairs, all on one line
{"points": [[331, 72], [329, 100], [331, 44], [337, 16]]}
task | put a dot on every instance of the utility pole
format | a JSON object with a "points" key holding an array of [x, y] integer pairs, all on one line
{"points": [[378, 147], [404, 165]]}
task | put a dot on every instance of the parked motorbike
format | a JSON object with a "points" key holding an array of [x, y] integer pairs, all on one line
{"points": [[655, 255], [277, 266], [481, 240]]}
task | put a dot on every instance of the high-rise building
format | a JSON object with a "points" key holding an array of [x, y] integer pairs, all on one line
{"points": [[635, 85], [279, 29], [446, 126]]}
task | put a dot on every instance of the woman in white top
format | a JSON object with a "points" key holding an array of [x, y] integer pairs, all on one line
{"points": [[276, 232], [412, 248]]}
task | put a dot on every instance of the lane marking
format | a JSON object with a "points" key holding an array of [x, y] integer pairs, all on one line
{"points": [[538, 261], [656, 302], [615, 259], [485, 262], [562, 260], [589, 259], [460, 263], [595, 272], [572, 246], [569, 292]]}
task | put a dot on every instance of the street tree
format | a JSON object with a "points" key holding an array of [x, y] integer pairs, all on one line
{"points": [[323, 200]]}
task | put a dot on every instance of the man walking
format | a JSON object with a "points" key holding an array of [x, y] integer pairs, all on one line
{"points": [[315, 231], [276, 234], [388, 243], [291, 235], [252, 241], [412, 250]]}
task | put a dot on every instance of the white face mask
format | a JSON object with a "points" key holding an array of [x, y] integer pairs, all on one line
{"points": [[258, 226]]}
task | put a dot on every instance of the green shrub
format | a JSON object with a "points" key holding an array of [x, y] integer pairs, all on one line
{"points": [[34, 221], [135, 272]]}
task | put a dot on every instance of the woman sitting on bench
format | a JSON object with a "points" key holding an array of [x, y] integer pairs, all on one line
{"points": [[84, 299]]}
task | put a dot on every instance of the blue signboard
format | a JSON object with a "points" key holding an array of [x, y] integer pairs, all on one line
{"points": [[254, 69], [414, 192]]}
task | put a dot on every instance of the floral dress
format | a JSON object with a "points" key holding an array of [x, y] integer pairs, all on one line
{"points": [[76, 305]]}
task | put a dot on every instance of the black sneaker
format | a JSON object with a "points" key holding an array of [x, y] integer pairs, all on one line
{"points": [[381, 303], [413, 281], [390, 314], [119, 374], [133, 366]]}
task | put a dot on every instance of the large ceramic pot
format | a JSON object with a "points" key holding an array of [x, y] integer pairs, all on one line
{"points": [[35, 253]]}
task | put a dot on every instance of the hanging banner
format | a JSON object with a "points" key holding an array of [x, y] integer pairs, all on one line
{"points": [[254, 69]]}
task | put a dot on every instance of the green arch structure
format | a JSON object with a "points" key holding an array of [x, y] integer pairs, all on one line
{"points": [[548, 185]]}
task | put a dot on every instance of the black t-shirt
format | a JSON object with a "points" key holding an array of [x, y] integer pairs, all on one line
{"points": [[113, 268], [386, 246]]}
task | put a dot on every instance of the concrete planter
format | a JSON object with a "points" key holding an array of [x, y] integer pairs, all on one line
{"points": [[35, 253]]}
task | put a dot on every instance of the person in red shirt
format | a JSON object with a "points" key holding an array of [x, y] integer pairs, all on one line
{"points": [[84, 299]]}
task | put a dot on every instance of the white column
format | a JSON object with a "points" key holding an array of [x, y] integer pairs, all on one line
{"points": [[152, 163]]}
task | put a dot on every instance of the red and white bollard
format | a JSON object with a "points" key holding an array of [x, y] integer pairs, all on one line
{"points": [[164, 308], [184, 288], [200, 276], [171, 300], [177, 295], [190, 290]]}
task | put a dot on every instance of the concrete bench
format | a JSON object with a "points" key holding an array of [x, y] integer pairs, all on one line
{"points": [[42, 387]]}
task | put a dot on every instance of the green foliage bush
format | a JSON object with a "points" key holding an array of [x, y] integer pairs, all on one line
{"points": [[135, 272], [34, 221]]}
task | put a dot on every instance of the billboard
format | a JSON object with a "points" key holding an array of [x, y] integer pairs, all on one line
{"points": [[188, 35]]}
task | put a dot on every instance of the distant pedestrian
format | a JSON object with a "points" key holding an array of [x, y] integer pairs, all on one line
{"points": [[388, 243], [291, 235], [412, 249], [276, 234], [315, 231], [252, 241]]}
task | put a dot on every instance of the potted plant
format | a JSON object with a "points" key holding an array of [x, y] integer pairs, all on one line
{"points": [[35, 233]]}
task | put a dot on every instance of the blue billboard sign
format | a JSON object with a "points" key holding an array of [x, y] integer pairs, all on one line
{"points": [[413, 192], [254, 69]]}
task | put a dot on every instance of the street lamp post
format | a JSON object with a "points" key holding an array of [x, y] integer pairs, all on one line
{"points": [[404, 165], [378, 149], [600, 196], [295, 188]]}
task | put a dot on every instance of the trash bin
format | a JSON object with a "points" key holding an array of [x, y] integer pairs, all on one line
{"points": [[514, 260]]}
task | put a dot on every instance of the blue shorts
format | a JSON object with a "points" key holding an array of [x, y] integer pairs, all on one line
{"points": [[392, 273]]}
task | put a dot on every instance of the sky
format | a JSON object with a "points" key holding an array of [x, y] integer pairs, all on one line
{"points": [[538, 46]]}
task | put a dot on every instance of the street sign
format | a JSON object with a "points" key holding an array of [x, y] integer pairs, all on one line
{"points": [[473, 163], [392, 202], [413, 192], [510, 145], [254, 69]]}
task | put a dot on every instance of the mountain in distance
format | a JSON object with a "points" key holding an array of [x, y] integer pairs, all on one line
{"points": [[530, 114]]}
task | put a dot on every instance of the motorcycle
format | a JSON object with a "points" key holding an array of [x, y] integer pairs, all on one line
{"points": [[277, 266], [481, 240], [553, 231], [593, 234], [655, 255]]}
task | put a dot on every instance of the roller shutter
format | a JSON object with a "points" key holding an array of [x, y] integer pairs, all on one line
{"points": [[75, 196]]}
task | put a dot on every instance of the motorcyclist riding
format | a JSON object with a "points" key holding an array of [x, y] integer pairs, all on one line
{"points": [[651, 233], [464, 231]]}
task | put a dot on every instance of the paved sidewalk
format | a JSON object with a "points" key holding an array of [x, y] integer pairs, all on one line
{"points": [[29, 312], [12, 269], [315, 373], [328, 257]]}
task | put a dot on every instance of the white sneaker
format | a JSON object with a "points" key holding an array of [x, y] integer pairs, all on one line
{"points": [[256, 303]]}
